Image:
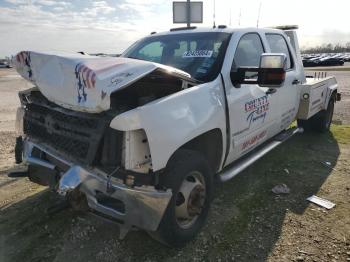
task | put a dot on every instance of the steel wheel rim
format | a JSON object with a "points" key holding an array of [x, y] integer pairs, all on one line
{"points": [[190, 199]]}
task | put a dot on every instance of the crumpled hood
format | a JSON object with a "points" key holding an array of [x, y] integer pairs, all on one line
{"points": [[83, 82]]}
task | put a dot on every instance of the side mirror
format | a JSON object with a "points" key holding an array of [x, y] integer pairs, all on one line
{"points": [[272, 70]]}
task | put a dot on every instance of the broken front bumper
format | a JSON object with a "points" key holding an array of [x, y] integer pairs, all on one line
{"points": [[140, 207]]}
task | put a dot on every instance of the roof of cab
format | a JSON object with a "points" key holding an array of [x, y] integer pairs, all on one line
{"points": [[184, 30]]}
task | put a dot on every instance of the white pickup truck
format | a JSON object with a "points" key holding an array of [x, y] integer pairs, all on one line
{"points": [[141, 137]]}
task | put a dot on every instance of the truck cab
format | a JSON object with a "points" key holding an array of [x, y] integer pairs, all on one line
{"points": [[141, 137]]}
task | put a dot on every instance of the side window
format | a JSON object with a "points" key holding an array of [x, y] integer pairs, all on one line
{"points": [[278, 44], [248, 52], [151, 52]]}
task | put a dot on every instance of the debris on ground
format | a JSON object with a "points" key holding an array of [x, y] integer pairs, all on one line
{"points": [[321, 202], [286, 170], [329, 165], [281, 189]]}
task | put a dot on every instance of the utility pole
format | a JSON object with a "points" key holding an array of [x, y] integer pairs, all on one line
{"points": [[188, 5], [214, 16]]}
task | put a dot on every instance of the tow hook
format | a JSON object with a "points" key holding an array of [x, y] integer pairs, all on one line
{"points": [[110, 189]]}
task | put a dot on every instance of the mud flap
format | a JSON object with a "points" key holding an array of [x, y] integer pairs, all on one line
{"points": [[19, 149]]}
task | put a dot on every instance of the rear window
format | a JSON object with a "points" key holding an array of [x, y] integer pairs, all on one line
{"points": [[278, 44]]}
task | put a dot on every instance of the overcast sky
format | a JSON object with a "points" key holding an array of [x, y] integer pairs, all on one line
{"points": [[110, 26]]}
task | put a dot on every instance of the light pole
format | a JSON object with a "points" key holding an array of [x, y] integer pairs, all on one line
{"points": [[188, 13]]}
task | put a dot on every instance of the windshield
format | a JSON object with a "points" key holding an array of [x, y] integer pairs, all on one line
{"points": [[199, 54]]}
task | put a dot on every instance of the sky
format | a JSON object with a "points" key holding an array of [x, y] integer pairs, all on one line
{"points": [[110, 26]]}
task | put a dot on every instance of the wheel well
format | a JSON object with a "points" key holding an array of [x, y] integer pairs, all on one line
{"points": [[334, 96], [210, 145]]}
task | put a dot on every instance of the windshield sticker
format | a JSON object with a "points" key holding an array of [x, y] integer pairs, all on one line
{"points": [[197, 53]]}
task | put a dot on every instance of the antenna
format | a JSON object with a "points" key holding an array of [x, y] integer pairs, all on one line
{"points": [[257, 21], [214, 16], [230, 17], [239, 17]]}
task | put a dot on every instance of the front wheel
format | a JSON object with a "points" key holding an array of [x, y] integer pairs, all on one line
{"points": [[189, 176]]}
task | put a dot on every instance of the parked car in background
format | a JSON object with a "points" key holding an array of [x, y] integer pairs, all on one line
{"points": [[313, 60], [4, 64]]}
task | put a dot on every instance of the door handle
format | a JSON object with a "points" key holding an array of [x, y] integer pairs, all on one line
{"points": [[271, 91], [296, 82]]}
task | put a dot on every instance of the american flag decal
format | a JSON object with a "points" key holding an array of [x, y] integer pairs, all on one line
{"points": [[87, 75], [23, 59], [86, 78], [20, 57]]}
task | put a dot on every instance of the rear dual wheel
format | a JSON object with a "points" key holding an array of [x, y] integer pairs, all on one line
{"points": [[320, 122]]}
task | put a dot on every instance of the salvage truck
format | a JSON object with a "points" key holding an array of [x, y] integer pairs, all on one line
{"points": [[140, 138]]}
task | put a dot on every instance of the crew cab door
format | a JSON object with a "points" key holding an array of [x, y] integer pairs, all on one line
{"points": [[288, 94], [252, 110]]}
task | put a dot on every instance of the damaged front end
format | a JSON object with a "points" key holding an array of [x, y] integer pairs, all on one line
{"points": [[106, 195], [86, 83], [72, 149], [78, 153]]}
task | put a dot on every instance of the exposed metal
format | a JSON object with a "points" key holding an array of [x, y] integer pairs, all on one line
{"points": [[144, 206]]}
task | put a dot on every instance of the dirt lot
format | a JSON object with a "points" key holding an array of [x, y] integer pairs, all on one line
{"points": [[247, 221]]}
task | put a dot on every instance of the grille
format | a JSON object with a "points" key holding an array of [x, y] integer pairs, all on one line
{"points": [[77, 135]]}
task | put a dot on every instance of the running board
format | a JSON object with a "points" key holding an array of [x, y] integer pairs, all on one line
{"points": [[238, 167]]}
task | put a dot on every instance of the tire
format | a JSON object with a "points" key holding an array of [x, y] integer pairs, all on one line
{"points": [[320, 122], [186, 169], [305, 124]]}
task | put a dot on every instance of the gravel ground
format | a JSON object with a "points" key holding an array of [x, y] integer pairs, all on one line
{"points": [[247, 221], [342, 109], [10, 84]]}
